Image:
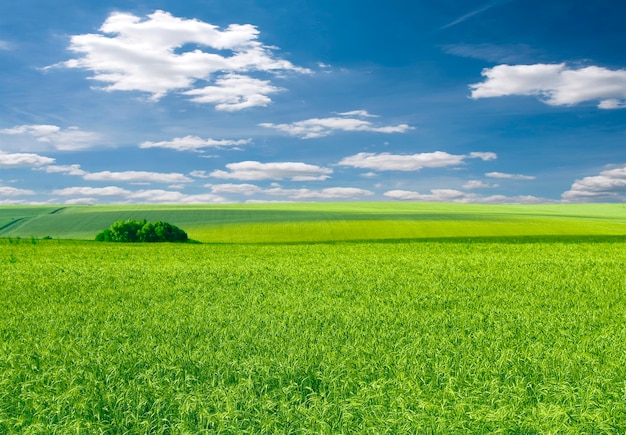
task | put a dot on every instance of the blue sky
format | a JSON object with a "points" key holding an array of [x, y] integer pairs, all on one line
{"points": [[218, 101]]}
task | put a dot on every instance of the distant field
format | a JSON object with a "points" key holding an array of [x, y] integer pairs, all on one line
{"points": [[315, 222]]}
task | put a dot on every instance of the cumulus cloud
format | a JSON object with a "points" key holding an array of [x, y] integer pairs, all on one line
{"points": [[555, 84], [151, 55], [608, 185], [452, 195], [51, 137], [8, 160], [233, 92], [320, 127], [502, 175], [194, 143], [251, 170], [412, 162]]}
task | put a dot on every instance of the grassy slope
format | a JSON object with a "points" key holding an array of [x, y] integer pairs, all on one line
{"points": [[323, 221]]}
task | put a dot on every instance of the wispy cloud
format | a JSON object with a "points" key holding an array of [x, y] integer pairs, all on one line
{"points": [[5, 45], [555, 84], [121, 176], [474, 13], [44, 136], [503, 175], [320, 127], [508, 53], [148, 55]]}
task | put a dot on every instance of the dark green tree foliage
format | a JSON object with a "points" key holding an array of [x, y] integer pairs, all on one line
{"points": [[130, 231]]}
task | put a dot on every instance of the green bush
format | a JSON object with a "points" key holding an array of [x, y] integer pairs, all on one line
{"points": [[130, 231]]}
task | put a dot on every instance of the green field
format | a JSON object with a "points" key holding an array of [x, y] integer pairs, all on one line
{"points": [[426, 318], [312, 222]]}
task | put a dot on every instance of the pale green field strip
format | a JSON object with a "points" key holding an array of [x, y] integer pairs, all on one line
{"points": [[310, 222], [373, 338]]}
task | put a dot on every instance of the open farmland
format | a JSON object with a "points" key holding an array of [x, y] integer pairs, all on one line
{"points": [[453, 332], [314, 222]]}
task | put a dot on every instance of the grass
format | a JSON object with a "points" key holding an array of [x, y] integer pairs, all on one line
{"points": [[432, 337], [323, 222]]}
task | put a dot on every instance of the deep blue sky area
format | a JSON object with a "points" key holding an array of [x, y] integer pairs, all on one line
{"points": [[199, 101]]}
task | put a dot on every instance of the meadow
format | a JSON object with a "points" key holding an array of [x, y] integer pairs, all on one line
{"points": [[478, 332]]}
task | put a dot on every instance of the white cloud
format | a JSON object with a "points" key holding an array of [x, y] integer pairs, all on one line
{"points": [[92, 191], [451, 195], [477, 184], [608, 185], [149, 55], [194, 143], [5, 45], [361, 113], [484, 156], [81, 201], [52, 137], [435, 195], [295, 171], [199, 174], [64, 169], [328, 193], [556, 84], [320, 127], [173, 197], [242, 189], [233, 92], [292, 194], [505, 176], [412, 162], [12, 191], [8, 160], [147, 196], [137, 177]]}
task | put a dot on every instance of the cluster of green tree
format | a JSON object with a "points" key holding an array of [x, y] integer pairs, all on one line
{"points": [[142, 231]]}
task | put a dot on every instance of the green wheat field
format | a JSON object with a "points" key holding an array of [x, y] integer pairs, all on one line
{"points": [[337, 318]]}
